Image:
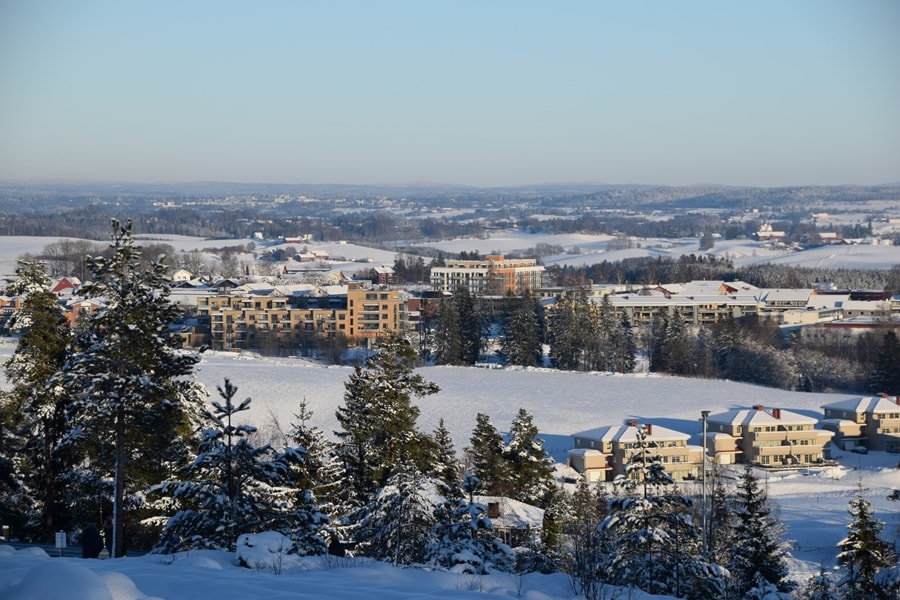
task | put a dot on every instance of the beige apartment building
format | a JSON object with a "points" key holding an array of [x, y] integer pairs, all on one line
{"points": [[602, 454], [242, 321], [873, 423], [768, 437]]}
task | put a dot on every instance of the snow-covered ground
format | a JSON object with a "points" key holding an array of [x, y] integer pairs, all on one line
{"points": [[813, 503]]}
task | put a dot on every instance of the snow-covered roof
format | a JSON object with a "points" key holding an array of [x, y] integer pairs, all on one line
{"points": [[772, 296], [513, 513], [869, 404], [761, 416], [623, 433]]}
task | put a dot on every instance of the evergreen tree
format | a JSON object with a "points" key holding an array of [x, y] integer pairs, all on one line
{"points": [[885, 376], [565, 328], [33, 413], [530, 469], [521, 342], [758, 545], [398, 523], [448, 342], [444, 463], [489, 468], [379, 419], [472, 325], [134, 405], [625, 346], [819, 587], [863, 553], [320, 469], [231, 488]]}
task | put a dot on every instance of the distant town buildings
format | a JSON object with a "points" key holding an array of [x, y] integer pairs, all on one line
{"points": [[493, 276]]}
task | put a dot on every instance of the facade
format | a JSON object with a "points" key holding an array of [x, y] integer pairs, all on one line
{"points": [[602, 454], [241, 321], [767, 437], [872, 422], [493, 276]]}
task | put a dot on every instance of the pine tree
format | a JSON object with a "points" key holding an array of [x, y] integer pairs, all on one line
{"points": [[530, 469], [472, 325], [320, 470], [34, 412], [625, 348], [862, 553], [588, 548], [379, 419], [566, 331], [231, 488], [134, 405], [489, 468], [820, 587], [758, 545], [885, 376]]}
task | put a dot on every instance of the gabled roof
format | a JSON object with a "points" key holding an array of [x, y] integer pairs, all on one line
{"points": [[623, 433], [761, 416], [513, 513], [871, 404]]}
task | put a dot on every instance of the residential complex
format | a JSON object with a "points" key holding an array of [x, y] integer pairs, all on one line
{"points": [[252, 320], [872, 423], [768, 437], [602, 454]]}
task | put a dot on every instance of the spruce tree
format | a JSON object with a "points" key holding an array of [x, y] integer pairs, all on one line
{"points": [[231, 488], [489, 468], [379, 418], [134, 405], [33, 421], [448, 342], [462, 539], [758, 544], [530, 469], [444, 464], [862, 553], [566, 333], [472, 325], [521, 342]]}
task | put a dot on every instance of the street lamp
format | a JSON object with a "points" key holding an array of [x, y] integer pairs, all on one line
{"points": [[704, 522]]}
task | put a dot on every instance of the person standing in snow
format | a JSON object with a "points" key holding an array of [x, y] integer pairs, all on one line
{"points": [[91, 542]]}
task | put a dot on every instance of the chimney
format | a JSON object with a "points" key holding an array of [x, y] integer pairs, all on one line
{"points": [[649, 429], [493, 511], [776, 413], [759, 407], [632, 423]]}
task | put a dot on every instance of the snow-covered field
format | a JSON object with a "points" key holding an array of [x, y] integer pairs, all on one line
{"points": [[812, 503], [579, 249]]}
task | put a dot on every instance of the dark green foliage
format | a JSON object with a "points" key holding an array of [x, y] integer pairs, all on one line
{"points": [[379, 419], [489, 467], [885, 376], [863, 554], [33, 413], [758, 546], [134, 405], [231, 488], [530, 469], [521, 342]]}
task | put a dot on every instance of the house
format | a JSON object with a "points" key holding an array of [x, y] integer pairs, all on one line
{"points": [[767, 437], [602, 454], [65, 286], [872, 422], [182, 275], [516, 522]]}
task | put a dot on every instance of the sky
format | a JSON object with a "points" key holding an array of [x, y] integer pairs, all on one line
{"points": [[812, 502], [766, 93]]}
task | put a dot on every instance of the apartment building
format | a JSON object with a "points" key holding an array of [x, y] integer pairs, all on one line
{"points": [[602, 454], [768, 437], [872, 422], [493, 276], [238, 321]]}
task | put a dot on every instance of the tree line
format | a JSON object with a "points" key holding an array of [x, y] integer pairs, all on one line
{"points": [[107, 419]]}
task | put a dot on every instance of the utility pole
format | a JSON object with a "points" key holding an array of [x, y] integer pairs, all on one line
{"points": [[704, 521]]}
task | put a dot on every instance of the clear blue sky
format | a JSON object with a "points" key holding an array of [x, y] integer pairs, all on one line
{"points": [[486, 93]]}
